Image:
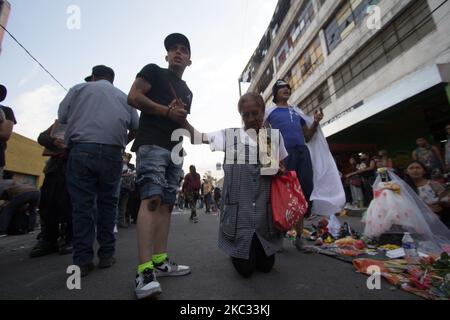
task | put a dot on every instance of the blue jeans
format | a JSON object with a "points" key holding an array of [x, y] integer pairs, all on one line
{"points": [[157, 175], [121, 216], [13, 207], [93, 177]]}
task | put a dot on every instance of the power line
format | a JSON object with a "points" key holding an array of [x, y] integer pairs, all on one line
{"points": [[29, 53]]}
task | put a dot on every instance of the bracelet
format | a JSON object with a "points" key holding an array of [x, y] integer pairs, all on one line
{"points": [[168, 111]]}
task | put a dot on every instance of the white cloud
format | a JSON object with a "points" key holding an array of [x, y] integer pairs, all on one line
{"points": [[29, 76], [36, 110]]}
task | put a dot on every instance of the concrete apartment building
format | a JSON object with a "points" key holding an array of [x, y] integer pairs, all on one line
{"points": [[380, 86], [5, 9]]}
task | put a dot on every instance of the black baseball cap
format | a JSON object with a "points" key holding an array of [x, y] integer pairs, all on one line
{"points": [[177, 38], [277, 86], [101, 71]]}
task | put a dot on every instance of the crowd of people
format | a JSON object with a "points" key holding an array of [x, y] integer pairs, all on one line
{"points": [[427, 173], [195, 195], [18, 201], [361, 176], [89, 181], [91, 189]]}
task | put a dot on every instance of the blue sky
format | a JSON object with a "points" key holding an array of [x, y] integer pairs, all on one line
{"points": [[127, 35]]}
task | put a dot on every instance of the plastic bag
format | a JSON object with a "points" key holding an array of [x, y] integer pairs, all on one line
{"points": [[402, 206], [288, 202], [389, 208]]}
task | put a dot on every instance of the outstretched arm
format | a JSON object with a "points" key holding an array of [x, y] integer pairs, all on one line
{"points": [[372, 166], [196, 136], [46, 140], [352, 174]]}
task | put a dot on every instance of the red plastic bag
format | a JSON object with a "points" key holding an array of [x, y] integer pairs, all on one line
{"points": [[288, 202]]}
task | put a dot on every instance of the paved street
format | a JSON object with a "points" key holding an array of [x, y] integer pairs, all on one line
{"points": [[296, 275]]}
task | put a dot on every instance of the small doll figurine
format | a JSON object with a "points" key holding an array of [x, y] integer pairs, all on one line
{"points": [[322, 229]]}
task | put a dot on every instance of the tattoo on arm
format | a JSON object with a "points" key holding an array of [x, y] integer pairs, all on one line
{"points": [[138, 99]]}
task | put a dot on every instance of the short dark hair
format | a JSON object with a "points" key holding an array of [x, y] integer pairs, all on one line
{"points": [[107, 78], [3, 92], [424, 167], [252, 96]]}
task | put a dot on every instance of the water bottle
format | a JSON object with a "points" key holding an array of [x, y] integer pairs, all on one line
{"points": [[409, 246]]}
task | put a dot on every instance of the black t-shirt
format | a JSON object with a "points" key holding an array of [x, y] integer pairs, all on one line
{"points": [[9, 115], [157, 130]]}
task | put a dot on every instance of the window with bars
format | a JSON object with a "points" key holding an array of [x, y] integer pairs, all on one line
{"points": [[311, 58], [351, 13], [265, 80], [301, 24], [415, 23]]}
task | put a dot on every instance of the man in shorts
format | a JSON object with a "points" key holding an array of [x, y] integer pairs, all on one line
{"points": [[165, 101]]}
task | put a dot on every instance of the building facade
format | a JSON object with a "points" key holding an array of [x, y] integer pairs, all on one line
{"points": [[5, 8], [379, 69], [24, 160]]}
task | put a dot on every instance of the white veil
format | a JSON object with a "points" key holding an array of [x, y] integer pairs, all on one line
{"points": [[425, 226]]}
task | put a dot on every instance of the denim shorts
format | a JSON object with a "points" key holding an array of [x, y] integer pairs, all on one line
{"points": [[157, 175]]}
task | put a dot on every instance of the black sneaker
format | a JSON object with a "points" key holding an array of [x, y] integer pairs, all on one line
{"points": [[86, 269], [146, 285], [43, 248], [106, 262]]}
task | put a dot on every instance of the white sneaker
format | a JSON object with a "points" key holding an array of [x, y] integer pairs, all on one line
{"points": [[146, 285], [171, 269], [115, 229]]}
